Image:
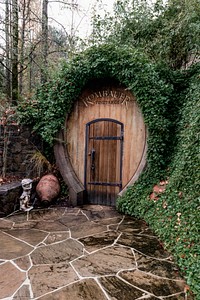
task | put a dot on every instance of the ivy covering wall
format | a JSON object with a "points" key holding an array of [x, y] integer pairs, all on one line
{"points": [[167, 100], [175, 214]]}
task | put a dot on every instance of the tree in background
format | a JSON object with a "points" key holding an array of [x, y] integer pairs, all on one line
{"points": [[7, 63], [167, 31], [10, 50], [30, 48], [14, 51], [18, 20], [44, 40]]}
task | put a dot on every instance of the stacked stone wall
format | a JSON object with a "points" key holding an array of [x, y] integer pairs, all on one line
{"points": [[17, 146]]}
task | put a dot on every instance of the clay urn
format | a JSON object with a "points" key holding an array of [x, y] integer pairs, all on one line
{"points": [[48, 189]]}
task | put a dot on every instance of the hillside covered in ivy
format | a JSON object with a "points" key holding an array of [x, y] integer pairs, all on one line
{"points": [[173, 210]]}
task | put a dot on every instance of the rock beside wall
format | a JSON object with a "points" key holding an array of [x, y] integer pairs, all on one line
{"points": [[9, 197], [17, 145]]}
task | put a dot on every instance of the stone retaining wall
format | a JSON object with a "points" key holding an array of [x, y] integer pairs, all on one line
{"points": [[17, 145]]}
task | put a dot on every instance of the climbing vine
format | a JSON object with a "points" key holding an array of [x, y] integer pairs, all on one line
{"points": [[47, 112]]}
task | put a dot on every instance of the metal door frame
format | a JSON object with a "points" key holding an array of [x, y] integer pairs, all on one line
{"points": [[121, 138]]}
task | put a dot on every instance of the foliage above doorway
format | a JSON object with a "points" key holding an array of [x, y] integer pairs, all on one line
{"points": [[47, 112]]}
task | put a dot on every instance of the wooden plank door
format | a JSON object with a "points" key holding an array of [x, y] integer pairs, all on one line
{"points": [[103, 161]]}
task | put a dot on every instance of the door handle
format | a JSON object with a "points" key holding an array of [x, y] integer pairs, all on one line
{"points": [[92, 153]]}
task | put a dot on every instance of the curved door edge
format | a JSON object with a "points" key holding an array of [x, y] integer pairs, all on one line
{"points": [[76, 188], [139, 170]]}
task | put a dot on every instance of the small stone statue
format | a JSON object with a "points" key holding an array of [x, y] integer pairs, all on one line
{"points": [[25, 197]]}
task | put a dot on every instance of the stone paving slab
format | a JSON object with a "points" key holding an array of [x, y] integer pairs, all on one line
{"points": [[81, 290], [96, 214], [72, 220], [12, 248], [120, 290], [24, 262], [51, 226], [87, 229], [84, 253], [165, 269], [47, 278], [100, 240], [148, 245], [59, 252], [30, 236], [10, 279], [47, 214], [105, 262], [54, 237], [158, 286]]}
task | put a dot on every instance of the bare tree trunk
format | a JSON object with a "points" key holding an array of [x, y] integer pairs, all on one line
{"points": [[72, 36], [44, 41], [8, 50], [15, 37], [30, 70], [25, 16], [22, 29]]}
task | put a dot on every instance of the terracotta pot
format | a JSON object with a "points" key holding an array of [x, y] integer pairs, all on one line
{"points": [[48, 188]]}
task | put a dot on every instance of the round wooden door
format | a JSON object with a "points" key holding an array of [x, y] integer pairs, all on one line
{"points": [[103, 160], [102, 147]]}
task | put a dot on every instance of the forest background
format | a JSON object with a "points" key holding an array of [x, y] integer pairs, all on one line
{"points": [[34, 52]]}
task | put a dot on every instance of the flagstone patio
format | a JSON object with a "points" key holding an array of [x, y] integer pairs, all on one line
{"points": [[88, 253]]}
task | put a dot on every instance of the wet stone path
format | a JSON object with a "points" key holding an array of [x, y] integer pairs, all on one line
{"points": [[88, 253]]}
